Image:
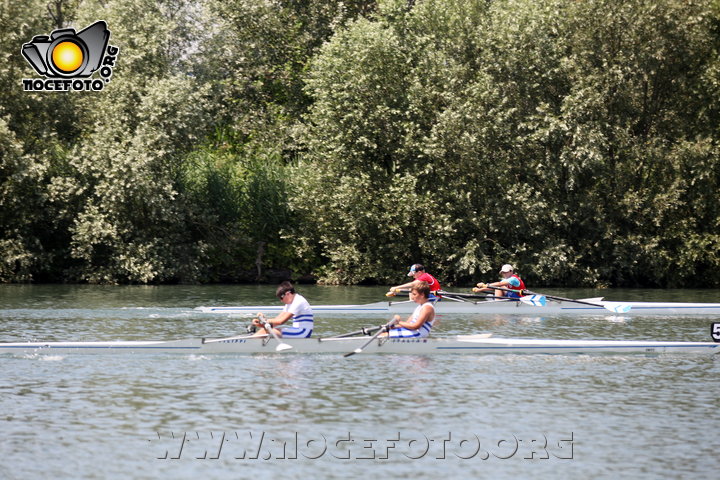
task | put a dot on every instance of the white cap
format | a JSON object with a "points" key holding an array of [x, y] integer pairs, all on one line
{"points": [[506, 268]]}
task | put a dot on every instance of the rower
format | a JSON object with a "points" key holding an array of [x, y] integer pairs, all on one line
{"points": [[418, 324], [510, 281], [419, 274], [296, 308]]}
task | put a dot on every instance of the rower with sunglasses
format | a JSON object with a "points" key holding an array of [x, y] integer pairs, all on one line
{"points": [[296, 308]]}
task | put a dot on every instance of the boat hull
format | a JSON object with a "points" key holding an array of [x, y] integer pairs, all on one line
{"points": [[493, 308], [461, 344]]}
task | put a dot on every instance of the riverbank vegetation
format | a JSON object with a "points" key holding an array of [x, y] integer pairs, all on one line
{"points": [[247, 140]]}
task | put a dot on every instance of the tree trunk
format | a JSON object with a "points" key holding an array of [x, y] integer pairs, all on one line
{"points": [[258, 260], [57, 16]]}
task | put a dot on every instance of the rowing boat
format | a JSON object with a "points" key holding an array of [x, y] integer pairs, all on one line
{"points": [[458, 344], [507, 307]]}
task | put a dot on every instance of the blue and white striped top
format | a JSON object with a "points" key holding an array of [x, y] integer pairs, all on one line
{"points": [[301, 311]]}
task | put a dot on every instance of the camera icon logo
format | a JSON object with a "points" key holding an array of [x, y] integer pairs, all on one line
{"points": [[66, 54]]}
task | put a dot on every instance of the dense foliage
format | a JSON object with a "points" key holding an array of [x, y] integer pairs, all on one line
{"points": [[246, 140]]}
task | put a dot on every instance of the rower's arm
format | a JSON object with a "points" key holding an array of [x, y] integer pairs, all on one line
{"points": [[403, 286], [280, 319]]}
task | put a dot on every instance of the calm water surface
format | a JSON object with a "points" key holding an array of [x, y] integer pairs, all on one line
{"points": [[233, 416]]}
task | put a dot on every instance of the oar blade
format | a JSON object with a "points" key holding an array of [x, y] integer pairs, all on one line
{"points": [[534, 300], [617, 307]]}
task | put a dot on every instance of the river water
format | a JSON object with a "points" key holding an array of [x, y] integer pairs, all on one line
{"points": [[389, 416]]}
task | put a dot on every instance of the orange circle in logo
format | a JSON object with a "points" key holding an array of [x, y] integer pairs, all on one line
{"points": [[67, 56]]}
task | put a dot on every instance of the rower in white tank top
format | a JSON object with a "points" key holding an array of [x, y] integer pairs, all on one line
{"points": [[421, 332], [419, 324]]}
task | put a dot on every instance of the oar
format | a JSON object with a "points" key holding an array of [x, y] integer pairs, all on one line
{"points": [[615, 307], [362, 331], [383, 328], [470, 296], [406, 293], [394, 293], [535, 300], [281, 346]]}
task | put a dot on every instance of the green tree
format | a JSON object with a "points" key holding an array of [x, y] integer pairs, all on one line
{"points": [[118, 192], [561, 136], [577, 140], [36, 131]]}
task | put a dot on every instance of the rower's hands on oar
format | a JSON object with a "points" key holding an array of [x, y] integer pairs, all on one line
{"points": [[257, 320], [271, 331], [393, 291], [383, 329], [394, 322], [480, 287]]}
